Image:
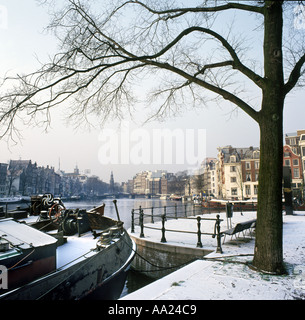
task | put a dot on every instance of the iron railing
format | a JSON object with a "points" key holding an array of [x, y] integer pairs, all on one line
{"points": [[145, 215]]}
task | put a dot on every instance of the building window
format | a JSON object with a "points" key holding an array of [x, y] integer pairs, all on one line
{"points": [[256, 176], [232, 169], [248, 165], [234, 191], [287, 163], [295, 162], [233, 179], [296, 172], [232, 159], [255, 189], [292, 141], [248, 190], [303, 151], [248, 176], [256, 164], [286, 154]]}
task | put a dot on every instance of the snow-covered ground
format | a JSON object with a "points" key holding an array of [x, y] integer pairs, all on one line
{"points": [[230, 278]]}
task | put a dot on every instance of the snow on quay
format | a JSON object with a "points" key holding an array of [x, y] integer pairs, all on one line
{"points": [[227, 276]]}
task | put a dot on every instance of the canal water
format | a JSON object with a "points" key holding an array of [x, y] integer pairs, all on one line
{"points": [[135, 280]]}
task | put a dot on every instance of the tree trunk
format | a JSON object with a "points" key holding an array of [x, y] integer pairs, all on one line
{"points": [[268, 254]]}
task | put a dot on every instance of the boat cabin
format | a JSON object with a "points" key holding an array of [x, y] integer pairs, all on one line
{"points": [[26, 253]]}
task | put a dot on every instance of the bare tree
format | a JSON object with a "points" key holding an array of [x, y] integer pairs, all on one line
{"points": [[103, 55]]}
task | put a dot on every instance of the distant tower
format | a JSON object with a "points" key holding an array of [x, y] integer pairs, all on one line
{"points": [[111, 183]]}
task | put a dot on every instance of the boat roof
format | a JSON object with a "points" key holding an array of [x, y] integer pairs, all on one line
{"points": [[22, 235]]}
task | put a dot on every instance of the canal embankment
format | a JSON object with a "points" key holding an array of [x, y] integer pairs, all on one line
{"points": [[172, 242], [226, 275]]}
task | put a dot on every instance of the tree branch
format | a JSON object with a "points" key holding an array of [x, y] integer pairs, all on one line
{"points": [[215, 65], [237, 64], [224, 93], [294, 75], [181, 11]]}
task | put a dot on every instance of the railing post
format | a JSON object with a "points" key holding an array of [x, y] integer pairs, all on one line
{"points": [[194, 209], [141, 222], [176, 210], [132, 221], [218, 250], [199, 243], [185, 211], [152, 215], [163, 239]]}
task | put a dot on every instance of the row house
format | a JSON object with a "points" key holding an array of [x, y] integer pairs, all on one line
{"points": [[3, 175], [139, 182], [127, 187], [294, 158], [294, 162], [237, 172], [204, 182], [151, 182], [26, 178], [22, 177], [158, 182]]}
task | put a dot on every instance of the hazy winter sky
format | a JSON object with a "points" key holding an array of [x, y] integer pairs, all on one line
{"points": [[22, 39]]}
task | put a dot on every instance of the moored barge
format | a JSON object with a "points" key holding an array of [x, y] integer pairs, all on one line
{"points": [[60, 254]]}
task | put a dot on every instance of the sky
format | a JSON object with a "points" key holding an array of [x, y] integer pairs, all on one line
{"points": [[22, 40]]}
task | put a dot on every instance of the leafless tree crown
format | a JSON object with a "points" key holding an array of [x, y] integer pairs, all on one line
{"points": [[109, 50]]}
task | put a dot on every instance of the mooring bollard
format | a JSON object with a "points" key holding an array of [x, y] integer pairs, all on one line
{"points": [[163, 239], [199, 243]]}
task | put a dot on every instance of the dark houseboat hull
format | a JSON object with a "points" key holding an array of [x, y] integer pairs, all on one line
{"points": [[100, 275]]}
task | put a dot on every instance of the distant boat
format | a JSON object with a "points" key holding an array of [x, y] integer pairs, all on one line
{"points": [[16, 199], [64, 255], [238, 204], [175, 197], [163, 197]]}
